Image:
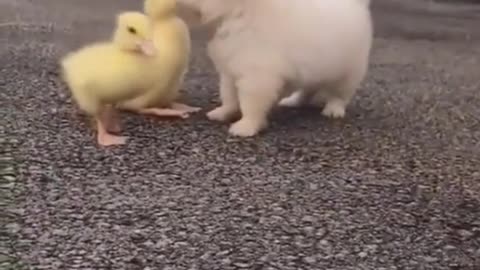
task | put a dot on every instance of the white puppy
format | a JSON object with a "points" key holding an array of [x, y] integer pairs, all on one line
{"points": [[265, 50]]}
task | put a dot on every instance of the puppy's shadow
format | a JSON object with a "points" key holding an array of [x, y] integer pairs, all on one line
{"points": [[300, 117], [308, 119]]}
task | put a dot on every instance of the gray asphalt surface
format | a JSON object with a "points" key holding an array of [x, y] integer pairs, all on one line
{"points": [[395, 185]]}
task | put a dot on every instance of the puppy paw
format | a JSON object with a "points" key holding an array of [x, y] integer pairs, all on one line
{"points": [[334, 109], [245, 128], [220, 114], [294, 100]]}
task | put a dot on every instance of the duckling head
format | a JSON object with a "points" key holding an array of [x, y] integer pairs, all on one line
{"points": [[134, 33], [158, 9]]}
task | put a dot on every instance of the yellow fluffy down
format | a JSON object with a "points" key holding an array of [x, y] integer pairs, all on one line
{"points": [[172, 41], [103, 73]]}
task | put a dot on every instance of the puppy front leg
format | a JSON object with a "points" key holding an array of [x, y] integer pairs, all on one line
{"points": [[257, 96], [229, 98]]}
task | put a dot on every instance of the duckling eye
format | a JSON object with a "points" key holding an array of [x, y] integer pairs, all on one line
{"points": [[131, 30]]}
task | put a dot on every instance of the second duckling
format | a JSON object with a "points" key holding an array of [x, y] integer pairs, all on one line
{"points": [[172, 41]]}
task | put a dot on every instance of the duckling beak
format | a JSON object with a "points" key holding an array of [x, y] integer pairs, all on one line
{"points": [[148, 48]]}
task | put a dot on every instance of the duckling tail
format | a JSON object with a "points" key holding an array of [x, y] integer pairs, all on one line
{"points": [[157, 9]]}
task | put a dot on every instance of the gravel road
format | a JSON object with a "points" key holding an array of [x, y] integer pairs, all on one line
{"points": [[395, 185]]}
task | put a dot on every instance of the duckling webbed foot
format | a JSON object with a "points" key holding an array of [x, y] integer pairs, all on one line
{"points": [[165, 112], [111, 120], [114, 127], [185, 107], [105, 138]]}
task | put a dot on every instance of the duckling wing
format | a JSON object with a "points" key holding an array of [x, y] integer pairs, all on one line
{"points": [[111, 74]]}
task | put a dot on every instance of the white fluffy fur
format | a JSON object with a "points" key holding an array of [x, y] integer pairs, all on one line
{"points": [[266, 50]]}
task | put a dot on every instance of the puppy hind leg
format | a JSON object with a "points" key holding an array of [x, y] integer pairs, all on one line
{"points": [[296, 99], [257, 96], [341, 94], [335, 108], [229, 101]]}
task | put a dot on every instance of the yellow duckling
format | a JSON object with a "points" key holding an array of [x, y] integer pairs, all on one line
{"points": [[106, 73], [172, 41]]}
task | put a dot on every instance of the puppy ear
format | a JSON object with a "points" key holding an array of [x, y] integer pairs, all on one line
{"points": [[211, 20], [213, 11], [191, 17]]}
